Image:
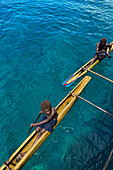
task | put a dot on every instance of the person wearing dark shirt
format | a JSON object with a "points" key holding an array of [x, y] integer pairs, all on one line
{"points": [[101, 51], [47, 123]]}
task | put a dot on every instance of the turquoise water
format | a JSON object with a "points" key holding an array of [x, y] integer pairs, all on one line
{"points": [[41, 44]]}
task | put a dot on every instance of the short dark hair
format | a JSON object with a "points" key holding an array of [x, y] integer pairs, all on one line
{"points": [[45, 105], [103, 40]]}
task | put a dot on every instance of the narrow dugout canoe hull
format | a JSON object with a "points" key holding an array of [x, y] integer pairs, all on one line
{"points": [[81, 72], [62, 108]]}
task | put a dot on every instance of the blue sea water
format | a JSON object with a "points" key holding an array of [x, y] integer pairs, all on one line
{"points": [[42, 43]]}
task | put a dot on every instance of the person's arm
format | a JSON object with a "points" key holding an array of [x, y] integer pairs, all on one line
{"points": [[108, 45], [97, 48], [42, 122], [108, 54], [33, 125], [47, 120]]}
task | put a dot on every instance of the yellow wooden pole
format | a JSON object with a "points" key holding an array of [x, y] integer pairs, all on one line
{"points": [[98, 74], [92, 104]]}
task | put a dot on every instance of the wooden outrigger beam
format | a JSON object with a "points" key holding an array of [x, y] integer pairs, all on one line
{"points": [[108, 160], [92, 104], [98, 74], [7, 166]]}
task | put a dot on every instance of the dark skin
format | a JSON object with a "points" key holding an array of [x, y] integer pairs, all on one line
{"points": [[50, 112], [100, 57]]}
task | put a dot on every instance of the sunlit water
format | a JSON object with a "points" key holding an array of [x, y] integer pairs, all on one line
{"points": [[42, 43]]}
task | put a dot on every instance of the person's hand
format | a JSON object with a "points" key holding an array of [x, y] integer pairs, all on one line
{"points": [[41, 111], [32, 125], [103, 51], [109, 56]]}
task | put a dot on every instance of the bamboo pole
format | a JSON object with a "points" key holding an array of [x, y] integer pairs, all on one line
{"points": [[98, 74], [92, 104], [108, 160], [34, 122]]}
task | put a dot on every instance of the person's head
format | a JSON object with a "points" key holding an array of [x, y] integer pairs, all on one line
{"points": [[46, 106], [103, 41]]}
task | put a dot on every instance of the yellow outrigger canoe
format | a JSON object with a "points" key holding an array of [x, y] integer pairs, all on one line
{"points": [[81, 72], [62, 108]]}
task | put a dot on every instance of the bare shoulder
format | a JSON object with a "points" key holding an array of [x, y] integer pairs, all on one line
{"points": [[97, 44], [53, 109], [108, 45]]}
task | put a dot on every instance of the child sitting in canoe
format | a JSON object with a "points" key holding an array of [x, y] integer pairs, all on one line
{"points": [[101, 51], [47, 122]]}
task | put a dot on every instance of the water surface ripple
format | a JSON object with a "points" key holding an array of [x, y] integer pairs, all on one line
{"points": [[41, 44]]}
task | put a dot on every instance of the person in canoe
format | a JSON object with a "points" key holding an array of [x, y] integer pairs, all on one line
{"points": [[101, 51], [47, 122]]}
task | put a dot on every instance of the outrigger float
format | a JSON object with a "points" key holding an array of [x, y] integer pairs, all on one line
{"points": [[81, 72], [62, 108]]}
